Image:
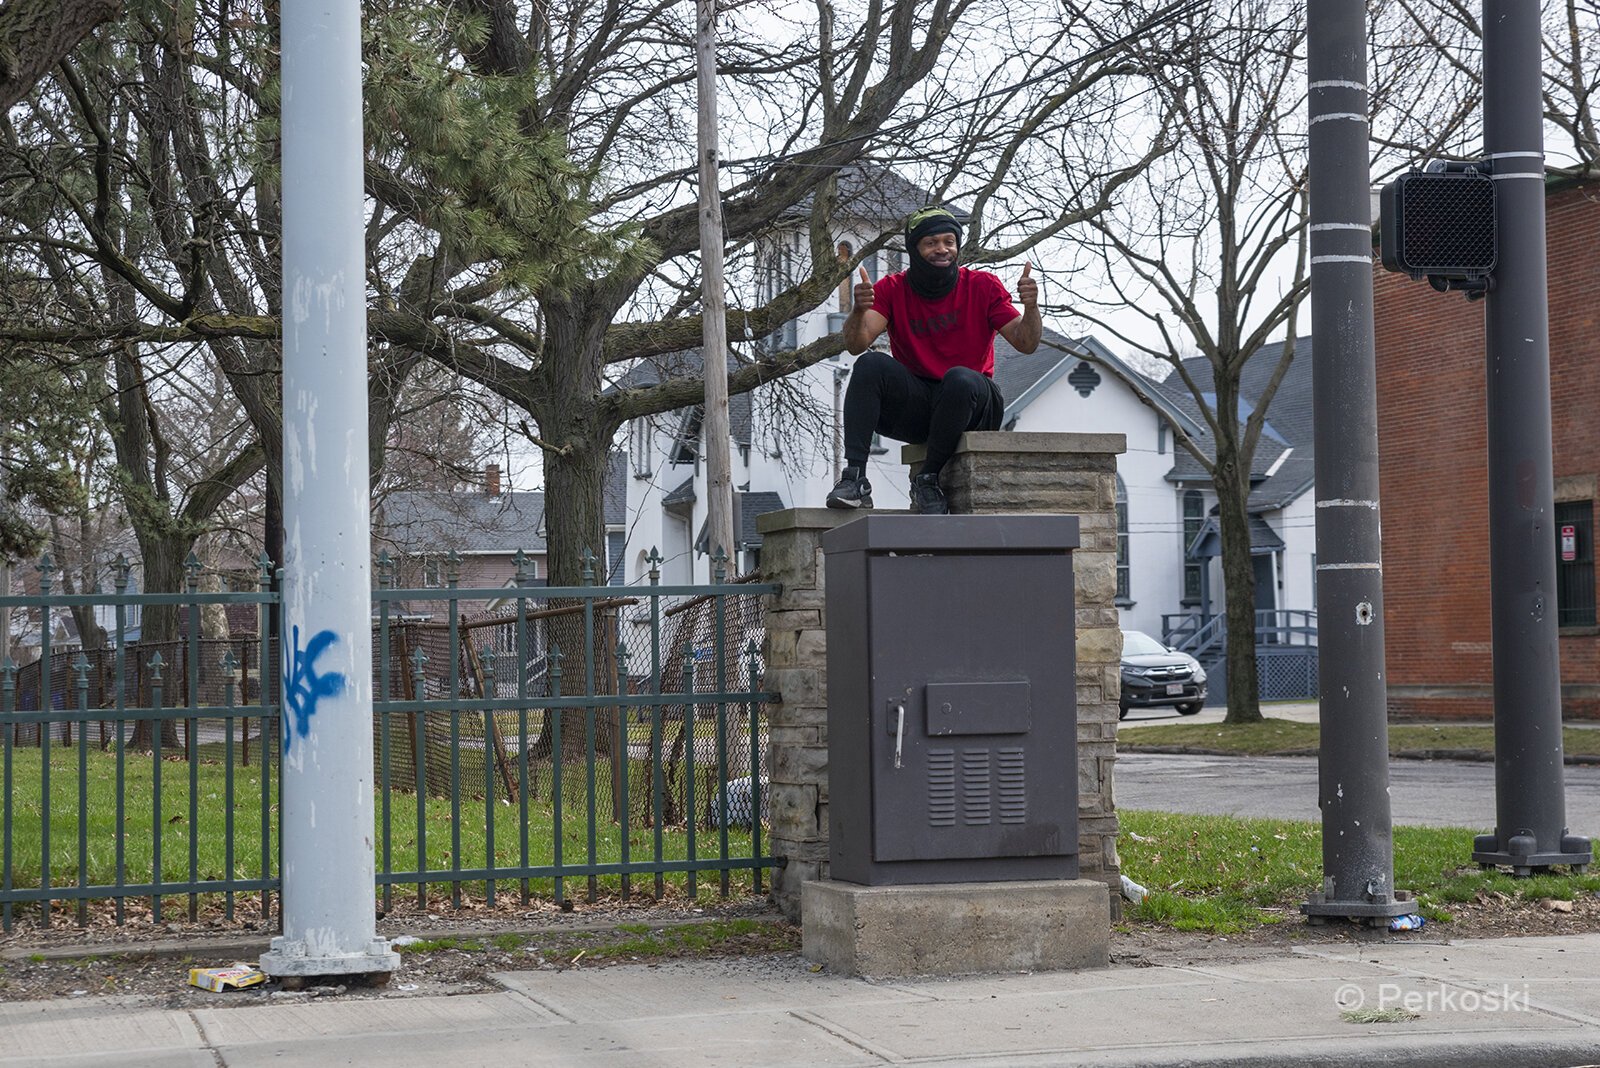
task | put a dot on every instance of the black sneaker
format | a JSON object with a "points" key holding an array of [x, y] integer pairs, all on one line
{"points": [[853, 490], [926, 496]]}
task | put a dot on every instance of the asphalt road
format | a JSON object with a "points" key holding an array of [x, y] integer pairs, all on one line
{"points": [[1435, 793]]}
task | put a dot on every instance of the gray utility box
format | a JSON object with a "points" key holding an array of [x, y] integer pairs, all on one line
{"points": [[952, 709]]}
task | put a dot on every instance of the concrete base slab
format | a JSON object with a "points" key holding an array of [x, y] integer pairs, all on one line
{"points": [[956, 928], [294, 958]]}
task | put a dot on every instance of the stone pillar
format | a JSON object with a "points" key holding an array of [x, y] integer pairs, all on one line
{"points": [[795, 656], [1076, 474]]}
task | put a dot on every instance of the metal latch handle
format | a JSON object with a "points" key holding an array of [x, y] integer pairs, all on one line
{"points": [[899, 729]]}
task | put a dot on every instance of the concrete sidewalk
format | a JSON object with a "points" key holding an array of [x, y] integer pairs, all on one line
{"points": [[1299, 711], [1506, 1002]]}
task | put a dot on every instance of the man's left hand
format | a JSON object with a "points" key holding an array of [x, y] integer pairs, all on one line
{"points": [[1027, 288]]}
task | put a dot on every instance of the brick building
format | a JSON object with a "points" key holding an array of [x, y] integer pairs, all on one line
{"points": [[1433, 464]]}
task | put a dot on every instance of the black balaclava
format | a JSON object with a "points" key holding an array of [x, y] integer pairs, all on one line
{"points": [[926, 280]]}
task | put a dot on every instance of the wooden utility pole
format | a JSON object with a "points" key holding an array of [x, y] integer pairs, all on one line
{"points": [[713, 305]]}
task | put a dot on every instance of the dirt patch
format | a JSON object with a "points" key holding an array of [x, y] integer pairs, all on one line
{"points": [[455, 950], [1491, 915]]}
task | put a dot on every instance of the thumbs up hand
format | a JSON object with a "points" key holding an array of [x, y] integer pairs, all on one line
{"points": [[1027, 288], [863, 294]]}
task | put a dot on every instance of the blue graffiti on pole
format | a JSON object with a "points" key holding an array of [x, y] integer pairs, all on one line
{"points": [[303, 687]]}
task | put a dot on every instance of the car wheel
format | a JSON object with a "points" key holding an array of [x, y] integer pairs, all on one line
{"points": [[1189, 709], [1122, 713]]}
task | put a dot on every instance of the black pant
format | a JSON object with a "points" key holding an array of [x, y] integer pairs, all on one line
{"points": [[885, 397]]}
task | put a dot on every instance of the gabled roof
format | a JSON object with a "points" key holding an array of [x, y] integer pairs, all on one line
{"points": [[875, 194], [684, 494], [747, 508], [1208, 542], [1023, 379], [687, 363], [433, 522], [1283, 467]]}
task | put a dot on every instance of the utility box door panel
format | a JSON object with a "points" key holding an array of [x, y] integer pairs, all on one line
{"points": [[974, 719]]}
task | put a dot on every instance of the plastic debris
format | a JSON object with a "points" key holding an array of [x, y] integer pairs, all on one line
{"points": [[1412, 922], [1133, 891], [404, 940], [217, 980]]}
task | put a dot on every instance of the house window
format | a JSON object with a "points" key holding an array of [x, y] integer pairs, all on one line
{"points": [[878, 448], [1575, 564], [1194, 517], [1123, 597], [687, 448], [639, 447]]}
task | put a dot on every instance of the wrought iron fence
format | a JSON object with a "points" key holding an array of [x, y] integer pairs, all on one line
{"points": [[115, 763], [598, 733]]}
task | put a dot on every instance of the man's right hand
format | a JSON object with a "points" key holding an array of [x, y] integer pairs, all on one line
{"points": [[864, 323], [863, 293]]}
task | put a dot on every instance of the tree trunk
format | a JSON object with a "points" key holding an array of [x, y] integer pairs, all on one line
{"points": [[163, 573], [574, 523], [1232, 483]]}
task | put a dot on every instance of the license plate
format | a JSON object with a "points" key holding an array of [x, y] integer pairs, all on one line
{"points": [[1174, 689]]}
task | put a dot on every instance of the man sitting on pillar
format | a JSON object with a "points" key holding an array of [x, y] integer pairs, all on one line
{"points": [[938, 382]]}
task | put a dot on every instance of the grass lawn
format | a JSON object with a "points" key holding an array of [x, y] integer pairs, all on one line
{"points": [[1278, 736], [26, 816], [1222, 874]]}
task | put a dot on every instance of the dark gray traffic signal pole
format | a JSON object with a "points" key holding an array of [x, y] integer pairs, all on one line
{"points": [[1530, 802], [1353, 764]]}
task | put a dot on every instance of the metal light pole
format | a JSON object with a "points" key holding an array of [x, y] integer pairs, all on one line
{"points": [[329, 918], [1530, 801], [713, 304], [1353, 761]]}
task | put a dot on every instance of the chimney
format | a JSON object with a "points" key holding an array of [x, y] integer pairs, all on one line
{"points": [[491, 480]]}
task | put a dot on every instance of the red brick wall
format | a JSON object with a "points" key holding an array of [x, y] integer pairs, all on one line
{"points": [[1432, 463]]}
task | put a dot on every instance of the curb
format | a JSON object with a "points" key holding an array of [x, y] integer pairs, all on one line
{"points": [[1470, 756]]}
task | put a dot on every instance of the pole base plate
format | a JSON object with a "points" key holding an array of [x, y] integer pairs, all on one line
{"points": [[1521, 863], [291, 958], [1318, 909]]}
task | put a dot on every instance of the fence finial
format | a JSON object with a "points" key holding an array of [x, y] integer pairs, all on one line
{"points": [[191, 568], [120, 571], [654, 560], [385, 570], [719, 561], [264, 566], [588, 567], [80, 671], [46, 567], [452, 568], [156, 664], [524, 574]]}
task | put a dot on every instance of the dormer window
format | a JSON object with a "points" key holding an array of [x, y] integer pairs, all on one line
{"points": [[686, 449]]}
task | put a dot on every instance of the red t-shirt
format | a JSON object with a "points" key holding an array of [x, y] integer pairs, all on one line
{"points": [[931, 336]]}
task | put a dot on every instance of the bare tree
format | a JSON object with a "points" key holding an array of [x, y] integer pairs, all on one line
{"points": [[531, 228], [1209, 247]]}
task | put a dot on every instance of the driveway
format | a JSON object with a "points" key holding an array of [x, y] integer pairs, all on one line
{"points": [[1434, 793]]}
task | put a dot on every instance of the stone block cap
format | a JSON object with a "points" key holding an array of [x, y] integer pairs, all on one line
{"points": [[990, 441], [813, 518]]}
